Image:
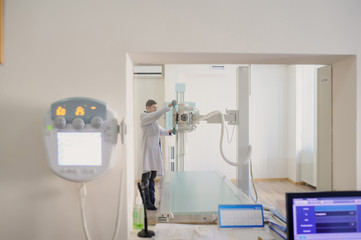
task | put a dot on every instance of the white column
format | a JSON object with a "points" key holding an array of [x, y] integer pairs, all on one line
{"points": [[243, 79]]}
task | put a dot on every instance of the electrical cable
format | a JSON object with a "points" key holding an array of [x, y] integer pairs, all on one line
{"points": [[255, 198], [252, 180], [230, 140], [83, 194], [215, 113]]}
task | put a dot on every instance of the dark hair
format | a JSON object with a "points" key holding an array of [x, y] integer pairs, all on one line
{"points": [[150, 102]]}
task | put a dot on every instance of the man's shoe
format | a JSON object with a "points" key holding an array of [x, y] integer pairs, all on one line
{"points": [[150, 206]]}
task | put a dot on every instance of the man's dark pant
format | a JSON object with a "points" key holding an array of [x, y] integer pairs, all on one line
{"points": [[148, 181]]}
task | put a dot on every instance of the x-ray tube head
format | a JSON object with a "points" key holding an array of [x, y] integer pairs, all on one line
{"points": [[185, 117], [80, 135]]}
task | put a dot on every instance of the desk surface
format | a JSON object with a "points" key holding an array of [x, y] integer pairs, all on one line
{"points": [[188, 231]]}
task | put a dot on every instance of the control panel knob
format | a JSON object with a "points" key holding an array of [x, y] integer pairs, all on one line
{"points": [[96, 122], [78, 123], [60, 122]]}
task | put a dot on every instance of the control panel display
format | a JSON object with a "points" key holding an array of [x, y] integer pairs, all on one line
{"points": [[82, 108], [79, 148]]}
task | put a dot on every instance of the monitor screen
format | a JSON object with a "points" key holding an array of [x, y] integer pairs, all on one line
{"points": [[324, 215], [79, 148], [240, 215]]}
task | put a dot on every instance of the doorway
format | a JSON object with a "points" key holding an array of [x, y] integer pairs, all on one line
{"points": [[344, 88], [282, 118]]}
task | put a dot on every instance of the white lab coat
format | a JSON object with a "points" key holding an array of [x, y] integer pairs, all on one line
{"points": [[151, 148]]}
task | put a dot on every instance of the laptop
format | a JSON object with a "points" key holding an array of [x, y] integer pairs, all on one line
{"points": [[323, 215]]}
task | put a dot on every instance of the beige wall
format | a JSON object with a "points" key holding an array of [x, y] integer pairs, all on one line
{"points": [[56, 49], [344, 125]]}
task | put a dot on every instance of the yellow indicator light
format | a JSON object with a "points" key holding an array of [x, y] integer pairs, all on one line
{"points": [[79, 111], [60, 111], [93, 107]]}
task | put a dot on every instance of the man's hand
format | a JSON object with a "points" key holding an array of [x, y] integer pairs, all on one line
{"points": [[171, 131], [173, 102]]}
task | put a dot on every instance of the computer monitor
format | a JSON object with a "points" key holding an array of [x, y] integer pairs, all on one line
{"points": [[323, 215]]}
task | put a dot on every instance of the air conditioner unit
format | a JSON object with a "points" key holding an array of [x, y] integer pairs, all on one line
{"points": [[155, 71]]}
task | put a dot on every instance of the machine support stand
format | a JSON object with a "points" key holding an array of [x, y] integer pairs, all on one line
{"points": [[145, 233]]}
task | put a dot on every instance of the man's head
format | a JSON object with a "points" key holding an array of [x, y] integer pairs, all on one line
{"points": [[151, 105]]}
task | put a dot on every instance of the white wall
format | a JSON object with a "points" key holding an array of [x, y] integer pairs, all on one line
{"points": [[56, 49], [282, 120], [307, 155], [269, 121]]}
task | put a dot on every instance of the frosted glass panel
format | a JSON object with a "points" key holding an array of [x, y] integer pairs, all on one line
{"points": [[200, 193]]}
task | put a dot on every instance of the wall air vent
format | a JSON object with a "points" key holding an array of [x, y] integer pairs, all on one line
{"points": [[217, 68], [148, 71]]}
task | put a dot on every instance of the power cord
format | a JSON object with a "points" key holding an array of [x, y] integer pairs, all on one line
{"points": [[83, 195], [230, 140], [214, 113], [252, 180], [255, 198]]}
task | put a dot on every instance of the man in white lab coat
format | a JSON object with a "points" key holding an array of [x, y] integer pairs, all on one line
{"points": [[151, 149]]}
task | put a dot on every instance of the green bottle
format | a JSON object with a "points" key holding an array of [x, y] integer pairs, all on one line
{"points": [[138, 214]]}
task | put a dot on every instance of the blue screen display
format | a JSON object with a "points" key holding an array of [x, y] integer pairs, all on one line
{"points": [[317, 218]]}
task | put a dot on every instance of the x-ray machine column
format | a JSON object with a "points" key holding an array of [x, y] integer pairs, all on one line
{"points": [[243, 93], [180, 143], [187, 117]]}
